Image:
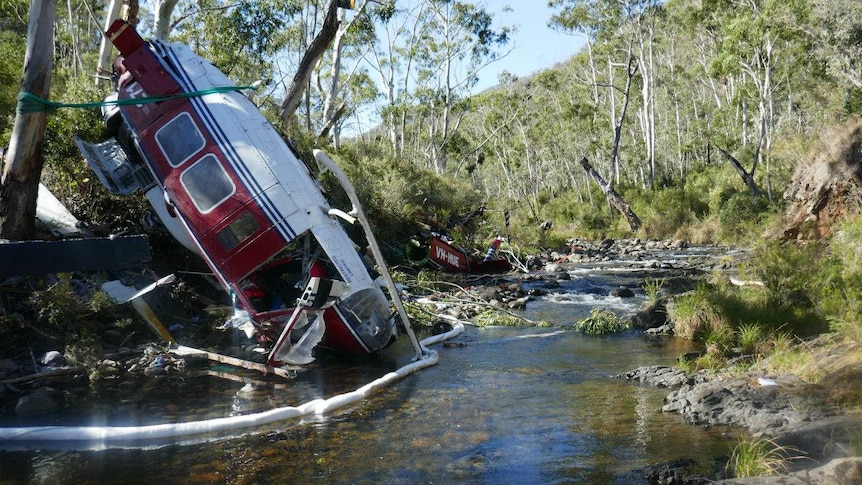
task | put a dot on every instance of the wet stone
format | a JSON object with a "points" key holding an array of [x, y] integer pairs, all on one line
{"points": [[8, 367], [41, 401], [657, 375], [623, 292], [154, 371], [53, 359]]}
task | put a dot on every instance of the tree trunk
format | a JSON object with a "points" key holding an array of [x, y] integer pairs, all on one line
{"points": [[103, 71], [162, 26], [331, 121], [309, 60], [748, 178], [23, 162], [613, 198], [631, 69]]}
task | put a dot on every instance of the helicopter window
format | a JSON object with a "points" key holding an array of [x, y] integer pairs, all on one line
{"points": [[238, 231], [179, 139], [207, 183]]}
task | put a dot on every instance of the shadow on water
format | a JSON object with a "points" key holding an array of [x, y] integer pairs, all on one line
{"points": [[510, 405]]}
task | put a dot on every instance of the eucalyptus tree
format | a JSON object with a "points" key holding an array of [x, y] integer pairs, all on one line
{"points": [[23, 163], [767, 42], [461, 41], [429, 56], [607, 24], [839, 26], [401, 30], [341, 78], [633, 22], [13, 44], [239, 37]]}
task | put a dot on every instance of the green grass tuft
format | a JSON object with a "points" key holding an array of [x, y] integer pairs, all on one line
{"points": [[759, 458], [601, 322]]}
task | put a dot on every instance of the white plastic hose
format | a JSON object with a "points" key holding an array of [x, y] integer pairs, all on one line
{"points": [[105, 437]]}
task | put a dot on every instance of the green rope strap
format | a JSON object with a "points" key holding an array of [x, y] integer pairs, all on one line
{"points": [[30, 103]]}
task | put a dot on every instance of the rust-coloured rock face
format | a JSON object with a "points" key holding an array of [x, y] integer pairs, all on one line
{"points": [[827, 185]]}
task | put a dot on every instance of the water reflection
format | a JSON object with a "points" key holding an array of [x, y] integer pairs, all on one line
{"points": [[498, 410], [513, 405]]}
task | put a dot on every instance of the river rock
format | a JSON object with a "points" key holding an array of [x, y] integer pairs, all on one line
{"points": [[41, 401], [653, 314], [666, 329], [489, 293], [658, 376], [824, 439], [679, 244], [683, 471], [766, 410], [622, 292], [519, 304], [53, 359], [552, 283], [8, 367], [155, 371]]}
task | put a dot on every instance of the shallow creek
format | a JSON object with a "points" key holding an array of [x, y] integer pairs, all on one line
{"points": [[507, 405]]}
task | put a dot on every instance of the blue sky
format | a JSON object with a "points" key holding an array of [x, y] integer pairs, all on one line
{"points": [[536, 46]]}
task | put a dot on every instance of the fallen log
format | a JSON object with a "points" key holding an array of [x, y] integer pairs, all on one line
{"points": [[65, 371]]}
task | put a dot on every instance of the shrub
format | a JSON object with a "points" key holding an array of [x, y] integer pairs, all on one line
{"points": [[692, 313], [778, 265], [666, 212], [399, 196], [652, 288], [717, 337], [740, 215], [585, 219], [840, 285]]}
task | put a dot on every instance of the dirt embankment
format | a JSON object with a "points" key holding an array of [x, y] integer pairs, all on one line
{"points": [[827, 185]]}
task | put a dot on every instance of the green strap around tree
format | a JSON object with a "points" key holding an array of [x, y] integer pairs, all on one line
{"points": [[30, 103]]}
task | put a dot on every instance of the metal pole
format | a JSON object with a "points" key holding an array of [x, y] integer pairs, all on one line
{"points": [[357, 211]]}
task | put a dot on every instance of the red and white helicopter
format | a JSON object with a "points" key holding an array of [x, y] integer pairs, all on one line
{"points": [[228, 187]]}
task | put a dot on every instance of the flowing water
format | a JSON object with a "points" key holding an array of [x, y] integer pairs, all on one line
{"points": [[508, 405]]}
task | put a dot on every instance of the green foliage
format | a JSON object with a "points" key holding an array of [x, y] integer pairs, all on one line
{"points": [[420, 315], [718, 338], [666, 210], [727, 319], [749, 337], [839, 285], [579, 217], [12, 46], [239, 40], [491, 317], [694, 312], [400, 196], [740, 214], [652, 288], [601, 322], [778, 264]]}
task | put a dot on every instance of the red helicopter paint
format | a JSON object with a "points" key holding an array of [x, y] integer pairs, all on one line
{"points": [[229, 187]]}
